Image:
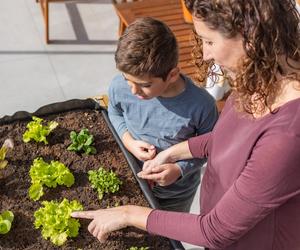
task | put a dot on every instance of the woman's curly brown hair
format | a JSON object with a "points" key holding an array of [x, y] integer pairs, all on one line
{"points": [[270, 30]]}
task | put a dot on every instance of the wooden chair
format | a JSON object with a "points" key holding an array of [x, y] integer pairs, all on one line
{"points": [[45, 10], [122, 25]]}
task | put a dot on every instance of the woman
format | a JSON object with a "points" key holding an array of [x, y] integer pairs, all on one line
{"points": [[250, 193]]}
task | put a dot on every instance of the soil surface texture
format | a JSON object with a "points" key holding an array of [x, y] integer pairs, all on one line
{"points": [[15, 182]]}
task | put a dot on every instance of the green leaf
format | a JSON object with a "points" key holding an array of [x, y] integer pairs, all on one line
{"points": [[73, 225], [48, 174], [36, 191], [82, 142], [89, 140], [3, 164], [56, 222], [8, 215], [6, 219], [3, 151], [5, 226], [59, 239], [37, 131], [68, 179], [104, 181]]}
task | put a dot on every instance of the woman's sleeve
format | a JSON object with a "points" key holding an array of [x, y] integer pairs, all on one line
{"points": [[269, 179], [200, 145]]}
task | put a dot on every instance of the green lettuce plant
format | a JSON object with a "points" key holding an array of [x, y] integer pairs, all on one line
{"points": [[7, 145], [49, 174], [56, 222], [82, 142], [104, 181], [37, 131], [6, 219]]}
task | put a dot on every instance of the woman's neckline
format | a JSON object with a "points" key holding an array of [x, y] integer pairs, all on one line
{"points": [[278, 109]]}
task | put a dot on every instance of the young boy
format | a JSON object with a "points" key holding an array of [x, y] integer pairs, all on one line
{"points": [[152, 106]]}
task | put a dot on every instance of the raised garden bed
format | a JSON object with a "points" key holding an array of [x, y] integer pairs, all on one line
{"points": [[15, 180]]}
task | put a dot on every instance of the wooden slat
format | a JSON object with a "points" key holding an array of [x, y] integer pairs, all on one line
{"points": [[181, 27], [185, 64], [160, 13], [155, 8], [185, 44], [185, 50], [184, 38], [148, 4], [185, 57]]}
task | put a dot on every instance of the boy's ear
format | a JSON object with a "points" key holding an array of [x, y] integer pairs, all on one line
{"points": [[173, 75]]}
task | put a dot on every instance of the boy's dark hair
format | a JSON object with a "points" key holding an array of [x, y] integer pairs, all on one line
{"points": [[147, 47]]}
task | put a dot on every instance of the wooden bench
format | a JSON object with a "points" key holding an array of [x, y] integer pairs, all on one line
{"points": [[171, 13]]}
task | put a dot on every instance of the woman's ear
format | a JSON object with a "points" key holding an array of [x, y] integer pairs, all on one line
{"points": [[173, 75]]}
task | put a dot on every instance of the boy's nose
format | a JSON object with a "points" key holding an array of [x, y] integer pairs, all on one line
{"points": [[134, 89]]}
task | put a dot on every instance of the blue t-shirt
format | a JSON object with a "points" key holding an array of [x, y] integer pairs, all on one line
{"points": [[163, 122]]}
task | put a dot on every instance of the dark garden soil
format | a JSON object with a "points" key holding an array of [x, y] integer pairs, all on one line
{"points": [[15, 182]]}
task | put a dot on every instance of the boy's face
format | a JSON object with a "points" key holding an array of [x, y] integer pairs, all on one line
{"points": [[146, 87]]}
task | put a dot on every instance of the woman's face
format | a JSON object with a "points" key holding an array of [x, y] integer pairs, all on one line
{"points": [[225, 52]]}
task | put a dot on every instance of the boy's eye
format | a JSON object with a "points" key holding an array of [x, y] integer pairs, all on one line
{"points": [[146, 86]]}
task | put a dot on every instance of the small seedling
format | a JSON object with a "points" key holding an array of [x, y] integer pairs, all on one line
{"points": [[7, 145], [37, 131], [6, 219], [56, 221], [104, 181], [82, 142], [51, 175]]}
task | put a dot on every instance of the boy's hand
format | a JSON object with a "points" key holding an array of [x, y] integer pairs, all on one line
{"points": [[142, 150], [164, 175], [160, 158]]}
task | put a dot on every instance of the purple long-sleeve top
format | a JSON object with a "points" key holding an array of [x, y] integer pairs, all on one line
{"points": [[250, 192]]}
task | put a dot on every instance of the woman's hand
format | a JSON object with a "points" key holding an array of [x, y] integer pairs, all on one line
{"points": [[105, 221], [163, 175], [159, 159], [173, 154]]}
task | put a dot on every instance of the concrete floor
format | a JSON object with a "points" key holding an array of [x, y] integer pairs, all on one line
{"points": [[79, 63]]}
